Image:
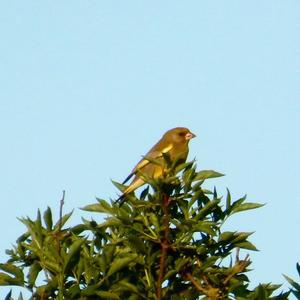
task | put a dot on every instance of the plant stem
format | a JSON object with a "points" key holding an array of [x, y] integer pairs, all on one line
{"points": [[164, 244]]}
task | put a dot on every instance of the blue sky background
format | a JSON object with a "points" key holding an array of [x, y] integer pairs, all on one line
{"points": [[87, 87]]}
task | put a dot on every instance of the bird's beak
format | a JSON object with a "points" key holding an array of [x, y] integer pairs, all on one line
{"points": [[189, 136]]}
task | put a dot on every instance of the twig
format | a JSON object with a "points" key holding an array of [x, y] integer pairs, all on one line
{"points": [[210, 292], [196, 284], [164, 244], [239, 267], [62, 202], [59, 237]]}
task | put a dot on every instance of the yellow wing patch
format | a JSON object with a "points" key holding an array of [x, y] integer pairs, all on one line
{"points": [[145, 162], [167, 149]]}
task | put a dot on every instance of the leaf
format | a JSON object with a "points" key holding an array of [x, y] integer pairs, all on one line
{"points": [[209, 262], [197, 195], [293, 283], [73, 292], [129, 287], [246, 245], [226, 236], [262, 293], [38, 221], [245, 206], [8, 296], [206, 174], [120, 263], [298, 268], [20, 297], [48, 218], [184, 166], [167, 158], [74, 250], [144, 193], [170, 273], [13, 270], [119, 186], [108, 253], [204, 227], [34, 271], [8, 280], [241, 236], [102, 207], [63, 221], [228, 199], [77, 229], [107, 295], [207, 209], [137, 243], [51, 266]]}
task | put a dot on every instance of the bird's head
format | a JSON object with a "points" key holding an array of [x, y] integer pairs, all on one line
{"points": [[179, 135]]}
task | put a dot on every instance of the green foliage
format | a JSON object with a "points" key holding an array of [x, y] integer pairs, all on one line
{"points": [[295, 286], [167, 244]]}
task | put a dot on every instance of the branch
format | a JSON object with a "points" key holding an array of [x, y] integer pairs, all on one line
{"points": [[210, 292], [196, 284], [164, 244], [239, 267], [62, 202]]}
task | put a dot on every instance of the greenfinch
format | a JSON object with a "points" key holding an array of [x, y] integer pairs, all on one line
{"points": [[174, 143]]}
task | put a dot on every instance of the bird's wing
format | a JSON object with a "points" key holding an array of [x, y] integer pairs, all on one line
{"points": [[151, 154]]}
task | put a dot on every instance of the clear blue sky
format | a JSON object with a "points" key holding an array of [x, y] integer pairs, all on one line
{"points": [[87, 87]]}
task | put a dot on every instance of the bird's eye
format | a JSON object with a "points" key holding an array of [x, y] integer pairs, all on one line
{"points": [[182, 133]]}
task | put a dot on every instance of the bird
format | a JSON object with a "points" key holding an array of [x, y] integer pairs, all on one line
{"points": [[173, 143]]}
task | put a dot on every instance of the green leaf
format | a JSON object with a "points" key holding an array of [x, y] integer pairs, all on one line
{"points": [[293, 283], [120, 263], [298, 268], [207, 209], [74, 250], [206, 174], [227, 236], [73, 292], [137, 243], [209, 262], [8, 296], [20, 297], [13, 270], [110, 222], [8, 280], [204, 227], [107, 295], [119, 186], [51, 266], [262, 293], [144, 193], [63, 221], [34, 271], [129, 286], [246, 245], [102, 207], [184, 166], [241, 236], [108, 253], [48, 218], [245, 206], [77, 229], [228, 199]]}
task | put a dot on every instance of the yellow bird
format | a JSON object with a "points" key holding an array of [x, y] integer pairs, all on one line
{"points": [[174, 143]]}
